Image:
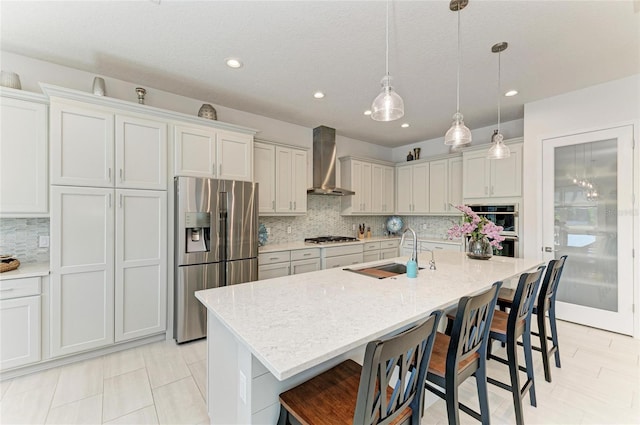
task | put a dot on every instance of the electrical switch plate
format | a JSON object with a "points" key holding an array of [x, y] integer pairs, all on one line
{"points": [[288, 229], [43, 241]]}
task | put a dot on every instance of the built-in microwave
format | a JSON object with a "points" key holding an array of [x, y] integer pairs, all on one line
{"points": [[505, 215]]}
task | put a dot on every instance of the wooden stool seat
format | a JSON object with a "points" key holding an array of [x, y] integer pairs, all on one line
{"points": [[330, 398], [438, 361]]}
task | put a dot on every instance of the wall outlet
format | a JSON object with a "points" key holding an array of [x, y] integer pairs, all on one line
{"points": [[242, 387], [424, 226], [268, 230], [289, 229], [43, 241], [353, 227]]}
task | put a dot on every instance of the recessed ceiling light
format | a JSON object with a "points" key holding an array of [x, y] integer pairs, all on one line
{"points": [[511, 93], [405, 125], [367, 112], [318, 95], [233, 63]]}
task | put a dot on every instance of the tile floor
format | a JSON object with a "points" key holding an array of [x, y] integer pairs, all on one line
{"points": [[162, 383]]}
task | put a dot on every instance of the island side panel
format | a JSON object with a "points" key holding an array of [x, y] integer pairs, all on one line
{"points": [[222, 373]]}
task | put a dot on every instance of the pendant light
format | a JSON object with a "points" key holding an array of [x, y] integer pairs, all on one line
{"points": [[458, 134], [388, 105], [498, 149]]}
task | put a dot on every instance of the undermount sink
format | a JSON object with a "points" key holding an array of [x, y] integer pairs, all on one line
{"points": [[382, 271]]}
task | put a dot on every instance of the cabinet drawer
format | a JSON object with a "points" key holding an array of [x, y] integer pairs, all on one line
{"points": [[273, 270], [438, 246], [303, 254], [394, 243], [336, 251], [342, 261], [371, 256], [274, 257], [371, 246], [16, 288], [305, 266]]}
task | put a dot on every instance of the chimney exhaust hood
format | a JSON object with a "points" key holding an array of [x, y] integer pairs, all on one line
{"points": [[324, 164]]}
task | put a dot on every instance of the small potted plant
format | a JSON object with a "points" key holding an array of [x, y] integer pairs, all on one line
{"points": [[481, 233]]}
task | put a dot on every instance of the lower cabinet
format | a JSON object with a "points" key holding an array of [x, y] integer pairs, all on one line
{"points": [[407, 248], [108, 266], [20, 323], [285, 263], [341, 256], [380, 250]]}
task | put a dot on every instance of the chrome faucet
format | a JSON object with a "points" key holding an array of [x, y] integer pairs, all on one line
{"points": [[432, 263], [414, 255]]}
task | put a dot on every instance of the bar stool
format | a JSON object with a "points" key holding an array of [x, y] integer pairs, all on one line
{"points": [[463, 354], [349, 393], [545, 305], [508, 328]]}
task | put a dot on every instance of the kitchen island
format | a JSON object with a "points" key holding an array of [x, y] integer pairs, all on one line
{"points": [[267, 336]]}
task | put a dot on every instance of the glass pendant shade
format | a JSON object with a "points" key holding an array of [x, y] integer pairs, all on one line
{"points": [[498, 149], [388, 105], [458, 134]]}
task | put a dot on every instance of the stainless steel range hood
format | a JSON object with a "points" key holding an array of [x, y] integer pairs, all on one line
{"points": [[324, 163]]}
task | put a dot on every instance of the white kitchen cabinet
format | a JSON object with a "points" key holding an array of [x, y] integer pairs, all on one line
{"points": [[492, 178], [264, 173], [23, 154], [305, 266], [99, 148], [290, 181], [82, 269], [341, 256], [20, 322], [455, 184], [438, 186], [140, 263], [373, 184], [206, 152], [235, 156], [439, 246], [380, 250], [284, 263], [412, 189]]}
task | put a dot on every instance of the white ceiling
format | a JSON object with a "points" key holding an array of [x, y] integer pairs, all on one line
{"points": [[291, 49]]}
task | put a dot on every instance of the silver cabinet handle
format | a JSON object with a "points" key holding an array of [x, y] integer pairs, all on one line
{"points": [[121, 175], [486, 190], [273, 204], [290, 204], [307, 254], [121, 200], [294, 206], [273, 258], [549, 249], [109, 173], [219, 169], [7, 289]]}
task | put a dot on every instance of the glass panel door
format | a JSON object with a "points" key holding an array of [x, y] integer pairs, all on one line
{"points": [[587, 213]]}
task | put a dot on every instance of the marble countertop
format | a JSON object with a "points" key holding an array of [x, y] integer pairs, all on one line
{"points": [[293, 323], [26, 270]]}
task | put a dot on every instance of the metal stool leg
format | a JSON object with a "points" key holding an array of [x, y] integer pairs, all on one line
{"points": [[512, 358], [528, 359], [554, 333]]}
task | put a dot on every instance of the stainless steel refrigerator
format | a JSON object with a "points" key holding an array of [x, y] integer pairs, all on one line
{"points": [[216, 244]]}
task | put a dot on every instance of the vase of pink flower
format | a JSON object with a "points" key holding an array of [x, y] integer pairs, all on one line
{"points": [[482, 234]]}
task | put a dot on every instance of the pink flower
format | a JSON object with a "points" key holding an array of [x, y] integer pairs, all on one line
{"points": [[476, 227]]}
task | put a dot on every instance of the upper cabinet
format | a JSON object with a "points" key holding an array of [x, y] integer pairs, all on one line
{"points": [[206, 152], [373, 184], [281, 174], [23, 153], [492, 178], [96, 147], [412, 188]]}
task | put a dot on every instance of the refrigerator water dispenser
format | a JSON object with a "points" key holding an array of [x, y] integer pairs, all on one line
{"points": [[197, 231]]}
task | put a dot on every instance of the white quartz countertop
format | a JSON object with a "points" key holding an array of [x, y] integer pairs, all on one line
{"points": [[292, 246], [26, 270], [293, 323]]}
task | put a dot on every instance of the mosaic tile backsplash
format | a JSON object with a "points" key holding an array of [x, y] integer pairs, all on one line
{"points": [[323, 218], [19, 237]]}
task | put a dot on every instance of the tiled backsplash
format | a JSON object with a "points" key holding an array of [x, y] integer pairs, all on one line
{"points": [[19, 237], [323, 218]]}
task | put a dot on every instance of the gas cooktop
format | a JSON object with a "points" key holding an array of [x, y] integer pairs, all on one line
{"points": [[330, 239]]}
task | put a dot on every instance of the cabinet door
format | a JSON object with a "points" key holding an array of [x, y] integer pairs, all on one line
{"points": [[23, 157], [476, 175], [377, 188], [404, 189], [455, 184], [356, 185], [506, 174], [365, 187], [284, 185], [299, 181], [269, 271], [305, 266], [438, 185], [235, 156], [19, 332], [195, 152], [82, 221], [81, 146], [388, 253], [388, 189], [421, 188], [264, 170], [141, 153], [141, 263]]}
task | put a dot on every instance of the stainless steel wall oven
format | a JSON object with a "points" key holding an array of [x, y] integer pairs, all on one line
{"points": [[505, 215]]}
